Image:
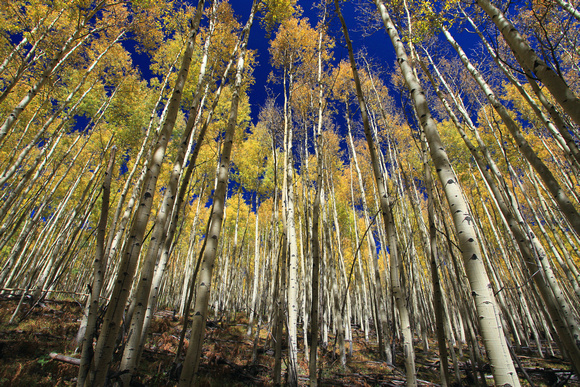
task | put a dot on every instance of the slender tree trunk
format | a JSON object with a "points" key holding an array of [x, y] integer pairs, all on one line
{"points": [[558, 128], [529, 60], [488, 312], [160, 235], [315, 311], [128, 265], [434, 260], [16, 50], [54, 64], [529, 246], [559, 194], [10, 171], [289, 219], [256, 271], [31, 56], [570, 8], [100, 266], [386, 209], [193, 356]]}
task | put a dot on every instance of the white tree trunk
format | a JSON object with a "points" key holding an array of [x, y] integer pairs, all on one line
{"points": [[192, 358], [529, 60], [488, 312]]}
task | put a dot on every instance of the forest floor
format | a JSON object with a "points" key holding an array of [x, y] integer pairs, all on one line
{"points": [[25, 360]]}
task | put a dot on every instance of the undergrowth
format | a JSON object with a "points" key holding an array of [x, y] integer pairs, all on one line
{"points": [[226, 356]]}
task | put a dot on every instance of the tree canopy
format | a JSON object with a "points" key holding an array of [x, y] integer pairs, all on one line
{"points": [[430, 188]]}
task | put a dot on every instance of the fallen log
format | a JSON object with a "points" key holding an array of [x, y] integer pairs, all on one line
{"points": [[65, 359]]}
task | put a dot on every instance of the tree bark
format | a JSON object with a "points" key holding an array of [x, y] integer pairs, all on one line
{"points": [[529, 60], [128, 265], [386, 209], [488, 312], [100, 267], [193, 356]]}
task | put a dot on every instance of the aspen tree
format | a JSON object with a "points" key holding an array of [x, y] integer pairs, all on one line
{"points": [[9, 172], [61, 229], [165, 250], [391, 230], [146, 145], [18, 249], [386, 209], [314, 232], [381, 316], [494, 339], [30, 178], [528, 244], [315, 282], [169, 230], [345, 301], [190, 294], [100, 266], [570, 8], [543, 171], [434, 261], [25, 39], [45, 259], [57, 61], [41, 157], [363, 303], [131, 354], [31, 56], [555, 227], [279, 304], [529, 60], [563, 266], [557, 128], [254, 302], [111, 324], [292, 50], [192, 358]]}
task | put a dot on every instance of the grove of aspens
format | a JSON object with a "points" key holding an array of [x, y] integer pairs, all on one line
{"points": [[415, 208]]}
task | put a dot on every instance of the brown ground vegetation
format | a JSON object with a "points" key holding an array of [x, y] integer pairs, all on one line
{"points": [[25, 348]]}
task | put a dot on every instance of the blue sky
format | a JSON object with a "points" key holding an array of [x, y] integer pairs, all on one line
{"points": [[377, 45]]}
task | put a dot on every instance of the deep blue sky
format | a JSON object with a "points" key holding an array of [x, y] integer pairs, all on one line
{"points": [[378, 46]]}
